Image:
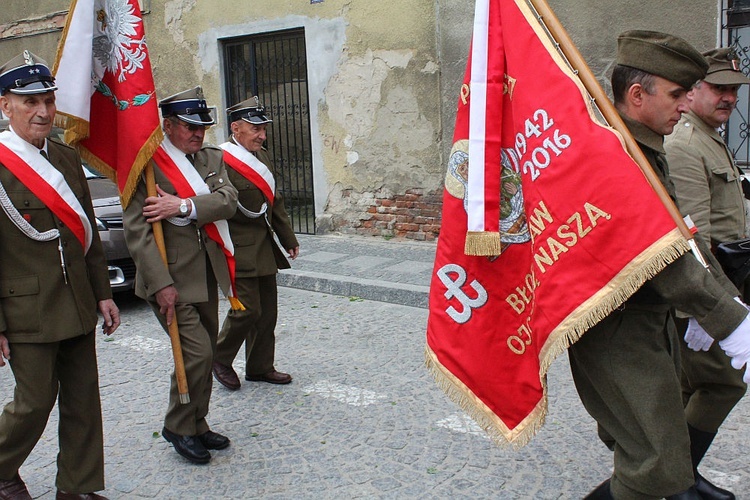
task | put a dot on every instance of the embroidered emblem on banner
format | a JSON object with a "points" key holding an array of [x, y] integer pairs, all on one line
{"points": [[454, 288]]}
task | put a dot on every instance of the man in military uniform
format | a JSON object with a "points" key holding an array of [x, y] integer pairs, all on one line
{"points": [[709, 189], [625, 367], [260, 215], [53, 277], [194, 196]]}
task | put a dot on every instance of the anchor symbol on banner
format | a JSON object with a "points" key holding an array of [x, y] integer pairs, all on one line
{"points": [[454, 288]]}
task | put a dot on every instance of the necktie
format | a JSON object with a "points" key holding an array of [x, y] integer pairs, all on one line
{"points": [[44, 153], [190, 159]]}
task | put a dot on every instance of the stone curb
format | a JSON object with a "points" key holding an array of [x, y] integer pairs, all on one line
{"points": [[350, 286]]}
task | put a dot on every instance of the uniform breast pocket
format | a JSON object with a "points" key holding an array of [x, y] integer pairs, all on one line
{"points": [[20, 303], [243, 240], [724, 172], [214, 182], [32, 210]]}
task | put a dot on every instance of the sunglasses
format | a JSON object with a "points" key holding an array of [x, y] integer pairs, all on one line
{"points": [[193, 127]]}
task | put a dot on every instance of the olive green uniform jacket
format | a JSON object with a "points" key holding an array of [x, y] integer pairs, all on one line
{"points": [[50, 328], [706, 179], [626, 367], [256, 252], [258, 260], [709, 189], [195, 264]]}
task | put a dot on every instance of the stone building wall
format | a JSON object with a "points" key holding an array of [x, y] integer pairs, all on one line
{"points": [[382, 82]]}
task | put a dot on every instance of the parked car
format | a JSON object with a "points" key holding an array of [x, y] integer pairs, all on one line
{"points": [[108, 210]]}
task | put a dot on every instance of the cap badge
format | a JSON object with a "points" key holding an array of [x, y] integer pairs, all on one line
{"points": [[735, 65], [27, 58]]}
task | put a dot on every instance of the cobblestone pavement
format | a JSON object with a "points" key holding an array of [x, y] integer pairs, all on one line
{"points": [[362, 418]]}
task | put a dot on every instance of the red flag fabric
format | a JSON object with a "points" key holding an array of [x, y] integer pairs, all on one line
{"points": [[106, 99], [580, 229]]}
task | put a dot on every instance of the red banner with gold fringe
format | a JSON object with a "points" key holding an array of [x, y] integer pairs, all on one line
{"points": [[561, 223], [106, 99]]}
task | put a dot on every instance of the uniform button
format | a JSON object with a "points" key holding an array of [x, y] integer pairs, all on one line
{"points": [[25, 203], [221, 181], [12, 291]]}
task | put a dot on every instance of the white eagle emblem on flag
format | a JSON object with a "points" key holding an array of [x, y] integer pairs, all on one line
{"points": [[116, 48]]}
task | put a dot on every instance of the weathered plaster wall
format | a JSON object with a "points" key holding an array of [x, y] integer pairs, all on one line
{"points": [[383, 81], [373, 76], [592, 24]]}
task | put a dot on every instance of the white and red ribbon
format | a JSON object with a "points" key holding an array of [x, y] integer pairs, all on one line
{"points": [[47, 183], [250, 167], [187, 182]]}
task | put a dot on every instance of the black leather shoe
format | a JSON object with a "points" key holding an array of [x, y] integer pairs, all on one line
{"points": [[213, 440], [189, 447], [61, 495], [688, 494], [709, 490], [601, 492], [272, 377], [14, 489]]}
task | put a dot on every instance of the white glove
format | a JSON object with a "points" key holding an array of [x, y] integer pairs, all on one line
{"points": [[737, 347], [696, 337]]}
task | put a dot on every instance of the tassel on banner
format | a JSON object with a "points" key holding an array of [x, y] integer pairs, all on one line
{"points": [[235, 304], [482, 243]]}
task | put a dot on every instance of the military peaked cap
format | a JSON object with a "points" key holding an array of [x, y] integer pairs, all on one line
{"points": [[724, 67], [663, 55], [249, 110], [189, 106], [26, 74]]}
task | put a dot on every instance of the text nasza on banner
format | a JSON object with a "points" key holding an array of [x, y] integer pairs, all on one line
{"points": [[579, 227], [106, 99]]}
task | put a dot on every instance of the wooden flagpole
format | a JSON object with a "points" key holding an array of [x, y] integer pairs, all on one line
{"points": [[174, 333], [608, 110]]}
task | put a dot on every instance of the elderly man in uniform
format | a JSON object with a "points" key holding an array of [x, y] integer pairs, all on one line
{"points": [[260, 216], [53, 277], [709, 189], [625, 367], [194, 198]]}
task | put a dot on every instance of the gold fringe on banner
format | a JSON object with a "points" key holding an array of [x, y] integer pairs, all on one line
{"points": [[490, 423], [644, 267], [482, 243], [144, 156], [134, 175]]}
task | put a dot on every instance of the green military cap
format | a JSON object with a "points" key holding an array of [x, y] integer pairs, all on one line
{"points": [[663, 55], [249, 110], [26, 74], [189, 106], [724, 67]]}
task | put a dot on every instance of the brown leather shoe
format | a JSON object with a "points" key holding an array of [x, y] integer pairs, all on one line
{"points": [[226, 376], [14, 489], [272, 377], [61, 495]]}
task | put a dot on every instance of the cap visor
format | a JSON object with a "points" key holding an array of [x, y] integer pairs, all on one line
{"points": [[727, 78], [198, 119], [257, 120], [35, 88]]}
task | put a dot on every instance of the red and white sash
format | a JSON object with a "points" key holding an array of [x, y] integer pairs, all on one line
{"points": [[250, 167], [187, 181], [47, 183]]}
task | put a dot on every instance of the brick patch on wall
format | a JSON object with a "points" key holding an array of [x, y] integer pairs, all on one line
{"points": [[412, 215]]}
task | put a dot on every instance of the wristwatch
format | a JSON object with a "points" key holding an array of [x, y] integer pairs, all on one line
{"points": [[183, 208]]}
